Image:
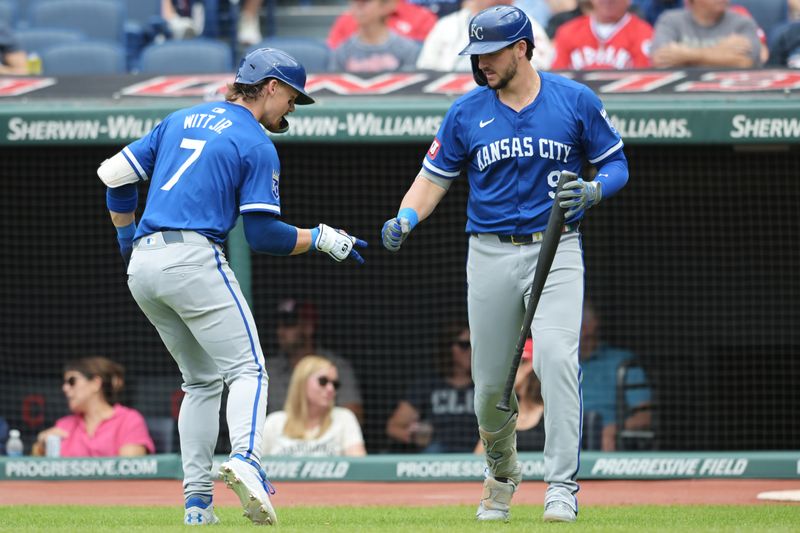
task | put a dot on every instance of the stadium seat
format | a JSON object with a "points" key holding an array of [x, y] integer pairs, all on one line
{"points": [[767, 13], [196, 56], [8, 13], [631, 377], [40, 39], [83, 57], [314, 55], [97, 19], [162, 431]]}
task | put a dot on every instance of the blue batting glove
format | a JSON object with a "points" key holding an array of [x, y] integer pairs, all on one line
{"points": [[396, 230], [579, 195], [125, 239]]}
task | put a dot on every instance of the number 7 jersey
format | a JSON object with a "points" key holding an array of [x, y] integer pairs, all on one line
{"points": [[206, 164], [513, 159]]}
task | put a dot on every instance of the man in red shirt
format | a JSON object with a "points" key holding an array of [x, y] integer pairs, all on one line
{"points": [[407, 20], [607, 38]]}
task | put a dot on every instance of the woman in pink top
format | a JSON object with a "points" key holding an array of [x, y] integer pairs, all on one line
{"points": [[98, 426]]}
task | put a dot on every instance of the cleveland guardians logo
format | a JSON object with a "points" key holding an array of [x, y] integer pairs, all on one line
{"points": [[434, 149]]}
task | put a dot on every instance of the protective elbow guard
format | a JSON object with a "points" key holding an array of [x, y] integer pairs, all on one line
{"points": [[117, 171]]}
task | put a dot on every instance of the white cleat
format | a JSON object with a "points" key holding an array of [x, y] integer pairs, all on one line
{"points": [[242, 477], [496, 500], [198, 513], [558, 511]]}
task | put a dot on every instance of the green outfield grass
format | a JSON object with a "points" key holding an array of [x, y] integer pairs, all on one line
{"points": [[756, 518]]}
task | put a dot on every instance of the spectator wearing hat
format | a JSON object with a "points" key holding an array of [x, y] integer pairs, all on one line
{"points": [[296, 325], [12, 59]]}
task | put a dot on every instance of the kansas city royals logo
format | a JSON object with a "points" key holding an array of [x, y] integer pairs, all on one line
{"points": [[276, 178], [475, 32], [608, 120]]}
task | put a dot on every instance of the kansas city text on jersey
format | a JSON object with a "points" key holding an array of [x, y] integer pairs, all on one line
{"points": [[520, 147]]}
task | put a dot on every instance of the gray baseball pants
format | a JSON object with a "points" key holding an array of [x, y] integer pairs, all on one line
{"points": [[499, 277], [183, 284]]}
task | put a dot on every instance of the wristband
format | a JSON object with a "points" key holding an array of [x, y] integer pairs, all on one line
{"points": [[410, 215], [126, 233]]}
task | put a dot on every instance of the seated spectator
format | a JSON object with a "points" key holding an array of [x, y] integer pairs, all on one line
{"points": [[599, 364], [608, 38], [185, 18], [249, 29], [558, 19], [705, 34], [296, 326], [436, 414], [528, 389], [450, 36], [785, 51], [98, 425], [542, 10], [310, 425], [650, 10], [406, 20], [12, 59], [374, 47]]}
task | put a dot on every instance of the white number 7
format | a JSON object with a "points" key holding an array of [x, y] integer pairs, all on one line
{"points": [[190, 144]]}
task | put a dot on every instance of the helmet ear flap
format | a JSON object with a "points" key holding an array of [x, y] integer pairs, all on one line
{"points": [[480, 77]]}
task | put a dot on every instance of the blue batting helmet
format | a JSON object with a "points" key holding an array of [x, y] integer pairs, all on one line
{"points": [[265, 63], [493, 29]]}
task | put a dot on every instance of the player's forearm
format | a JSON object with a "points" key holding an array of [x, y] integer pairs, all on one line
{"points": [[423, 196], [120, 220], [719, 56], [613, 173]]}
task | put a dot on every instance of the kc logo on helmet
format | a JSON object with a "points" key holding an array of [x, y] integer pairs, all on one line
{"points": [[476, 32]]}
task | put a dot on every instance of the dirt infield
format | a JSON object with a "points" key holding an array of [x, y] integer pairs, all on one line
{"points": [[169, 492]]}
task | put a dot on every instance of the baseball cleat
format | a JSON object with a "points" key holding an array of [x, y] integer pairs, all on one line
{"points": [[250, 484], [558, 511], [496, 500], [199, 513]]}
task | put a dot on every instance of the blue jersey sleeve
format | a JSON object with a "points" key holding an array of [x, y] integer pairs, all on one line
{"points": [[447, 153], [261, 171], [141, 154], [599, 137]]}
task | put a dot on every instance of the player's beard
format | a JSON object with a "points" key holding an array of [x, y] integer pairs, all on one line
{"points": [[508, 75]]}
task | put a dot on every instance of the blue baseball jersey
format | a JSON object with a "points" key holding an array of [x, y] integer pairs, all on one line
{"points": [[206, 164], [513, 160]]}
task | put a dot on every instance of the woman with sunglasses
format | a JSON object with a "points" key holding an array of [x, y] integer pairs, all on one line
{"points": [[98, 425], [311, 424]]}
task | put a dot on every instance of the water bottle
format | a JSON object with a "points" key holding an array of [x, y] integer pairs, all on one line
{"points": [[14, 444]]}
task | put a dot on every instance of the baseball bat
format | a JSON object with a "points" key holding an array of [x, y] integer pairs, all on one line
{"points": [[547, 252]]}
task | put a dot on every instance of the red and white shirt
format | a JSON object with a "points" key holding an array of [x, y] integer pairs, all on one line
{"points": [[584, 44]]}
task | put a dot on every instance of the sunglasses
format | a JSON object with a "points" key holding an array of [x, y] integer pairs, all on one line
{"points": [[324, 381], [464, 345], [71, 381]]}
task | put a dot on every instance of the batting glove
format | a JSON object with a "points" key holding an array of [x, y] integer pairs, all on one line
{"points": [[125, 239], [336, 243], [579, 195], [396, 230]]}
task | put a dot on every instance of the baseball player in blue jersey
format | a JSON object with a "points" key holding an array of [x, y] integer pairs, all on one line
{"points": [[206, 165], [513, 136]]}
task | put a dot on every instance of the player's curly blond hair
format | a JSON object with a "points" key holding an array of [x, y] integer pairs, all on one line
{"points": [[246, 91]]}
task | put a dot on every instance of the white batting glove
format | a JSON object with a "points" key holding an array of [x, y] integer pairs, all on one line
{"points": [[579, 195], [337, 244]]}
